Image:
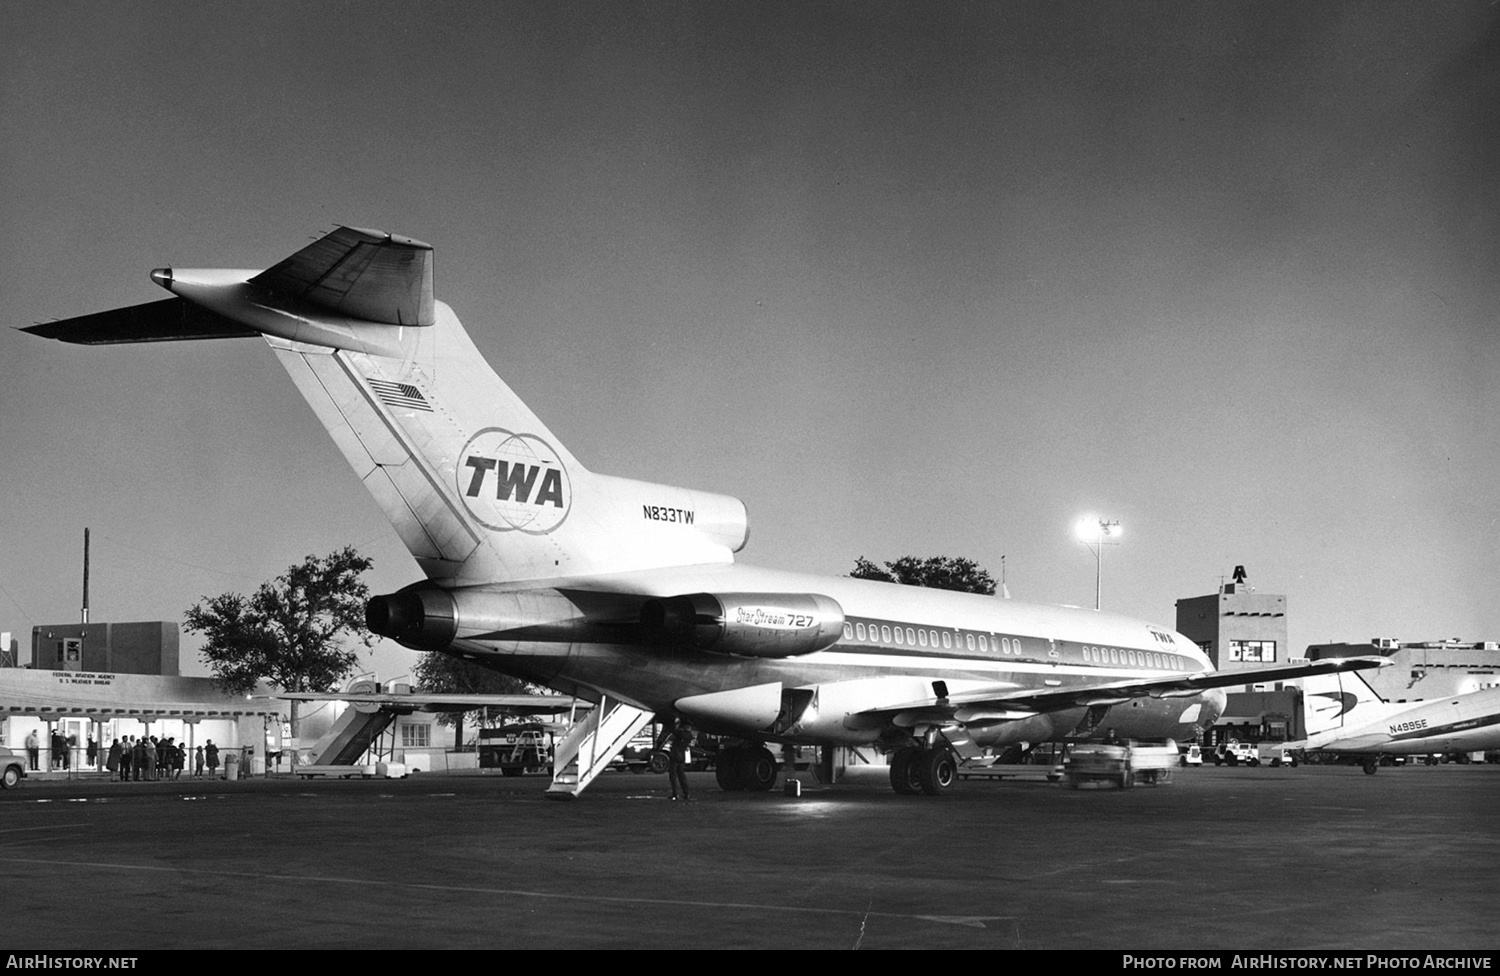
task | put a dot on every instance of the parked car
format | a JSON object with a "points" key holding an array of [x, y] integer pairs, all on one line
{"points": [[12, 767]]}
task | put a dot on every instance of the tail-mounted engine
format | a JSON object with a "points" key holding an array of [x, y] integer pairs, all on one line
{"points": [[745, 624], [431, 619]]}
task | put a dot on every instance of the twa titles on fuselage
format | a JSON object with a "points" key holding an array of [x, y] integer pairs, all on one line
{"points": [[626, 592], [1344, 716]]}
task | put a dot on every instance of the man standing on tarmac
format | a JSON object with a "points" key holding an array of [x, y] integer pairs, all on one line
{"points": [[33, 750], [680, 746]]}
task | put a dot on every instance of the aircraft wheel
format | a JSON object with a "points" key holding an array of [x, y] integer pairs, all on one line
{"points": [[757, 769], [936, 771], [904, 779], [1371, 767], [11, 778], [728, 768]]}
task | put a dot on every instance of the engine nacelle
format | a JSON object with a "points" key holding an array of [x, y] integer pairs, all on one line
{"points": [[431, 619], [745, 624]]}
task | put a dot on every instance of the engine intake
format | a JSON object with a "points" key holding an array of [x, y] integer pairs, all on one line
{"points": [[771, 625], [426, 618]]}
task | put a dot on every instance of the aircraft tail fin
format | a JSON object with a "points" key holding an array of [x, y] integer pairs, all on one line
{"points": [[476, 486], [1330, 701]]}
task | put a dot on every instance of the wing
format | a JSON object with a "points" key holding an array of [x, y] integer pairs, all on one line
{"points": [[362, 274], [169, 320], [530, 704], [982, 706]]}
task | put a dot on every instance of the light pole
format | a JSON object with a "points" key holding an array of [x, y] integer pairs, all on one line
{"points": [[1096, 533]]}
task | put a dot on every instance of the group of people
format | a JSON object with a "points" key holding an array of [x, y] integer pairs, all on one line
{"points": [[58, 754], [150, 758]]}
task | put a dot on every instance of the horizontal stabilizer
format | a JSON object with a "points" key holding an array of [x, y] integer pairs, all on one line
{"points": [[361, 274], [169, 320]]}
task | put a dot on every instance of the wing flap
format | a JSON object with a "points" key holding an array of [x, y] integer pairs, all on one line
{"points": [[169, 320], [362, 274]]}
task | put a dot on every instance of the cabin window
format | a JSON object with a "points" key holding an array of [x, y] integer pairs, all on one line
{"points": [[885, 633], [859, 630], [947, 640], [922, 637], [969, 641], [911, 638]]}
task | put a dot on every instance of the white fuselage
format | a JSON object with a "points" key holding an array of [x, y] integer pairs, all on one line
{"points": [[1463, 723], [897, 640]]}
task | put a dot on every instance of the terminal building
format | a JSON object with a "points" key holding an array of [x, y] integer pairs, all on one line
{"points": [[97, 682], [1240, 628], [1424, 670], [93, 683]]}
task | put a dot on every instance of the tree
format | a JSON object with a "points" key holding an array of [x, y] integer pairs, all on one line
{"points": [[292, 631], [938, 572], [445, 674]]}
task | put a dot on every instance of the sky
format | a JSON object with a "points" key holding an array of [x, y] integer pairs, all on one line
{"points": [[907, 278]]}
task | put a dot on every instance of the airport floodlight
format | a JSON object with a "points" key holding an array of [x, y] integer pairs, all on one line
{"points": [[1096, 533]]}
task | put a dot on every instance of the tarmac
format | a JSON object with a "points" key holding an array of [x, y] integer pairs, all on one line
{"points": [[1316, 857]]}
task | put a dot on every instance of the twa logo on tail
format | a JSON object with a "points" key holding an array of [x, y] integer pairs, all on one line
{"points": [[513, 481]]}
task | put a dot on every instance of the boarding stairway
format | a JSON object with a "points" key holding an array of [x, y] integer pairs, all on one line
{"points": [[592, 744], [354, 732]]}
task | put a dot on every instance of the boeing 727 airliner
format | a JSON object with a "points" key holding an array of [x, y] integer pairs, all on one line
{"points": [[627, 593]]}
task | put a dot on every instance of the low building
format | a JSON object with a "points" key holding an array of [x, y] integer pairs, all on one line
{"points": [[1423, 670], [91, 684]]}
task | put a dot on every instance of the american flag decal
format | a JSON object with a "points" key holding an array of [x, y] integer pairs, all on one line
{"points": [[401, 395]]}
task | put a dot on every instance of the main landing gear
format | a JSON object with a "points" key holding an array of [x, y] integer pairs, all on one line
{"points": [[917, 770], [750, 768]]}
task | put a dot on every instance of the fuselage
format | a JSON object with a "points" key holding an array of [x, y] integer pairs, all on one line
{"points": [[896, 642], [1463, 723]]}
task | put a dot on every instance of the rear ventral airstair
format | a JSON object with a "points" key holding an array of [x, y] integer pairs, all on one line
{"points": [[592, 744]]}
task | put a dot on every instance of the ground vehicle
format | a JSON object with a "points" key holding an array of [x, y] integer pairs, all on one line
{"points": [[1275, 754], [1191, 756], [1124, 764], [1235, 752], [516, 749], [12, 767]]}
